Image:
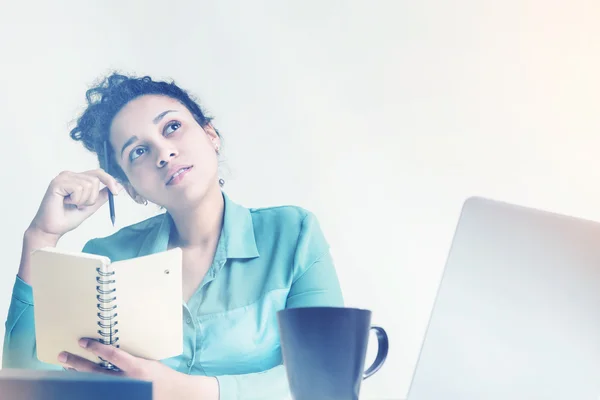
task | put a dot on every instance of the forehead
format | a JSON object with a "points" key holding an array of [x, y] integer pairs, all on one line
{"points": [[137, 116]]}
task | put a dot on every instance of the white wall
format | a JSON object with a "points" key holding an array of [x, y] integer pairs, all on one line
{"points": [[379, 116]]}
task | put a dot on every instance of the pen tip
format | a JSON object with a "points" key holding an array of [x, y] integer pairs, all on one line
{"points": [[112, 218]]}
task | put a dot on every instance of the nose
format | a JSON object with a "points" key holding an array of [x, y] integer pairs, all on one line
{"points": [[164, 156]]}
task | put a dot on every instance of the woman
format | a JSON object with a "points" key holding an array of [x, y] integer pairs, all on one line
{"points": [[240, 266]]}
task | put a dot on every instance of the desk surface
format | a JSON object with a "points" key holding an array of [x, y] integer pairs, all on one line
{"points": [[18, 384]]}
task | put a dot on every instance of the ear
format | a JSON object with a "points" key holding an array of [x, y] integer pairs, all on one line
{"points": [[133, 194], [212, 134]]}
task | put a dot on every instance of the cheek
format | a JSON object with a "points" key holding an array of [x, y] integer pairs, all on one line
{"points": [[142, 177], [205, 153], [210, 159]]}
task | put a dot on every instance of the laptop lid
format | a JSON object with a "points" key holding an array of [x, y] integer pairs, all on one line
{"points": [[517, 313]]}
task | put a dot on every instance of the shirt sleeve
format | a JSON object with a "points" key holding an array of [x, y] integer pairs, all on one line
{"points": [[315, 283], [271, 384], [19, 349]]}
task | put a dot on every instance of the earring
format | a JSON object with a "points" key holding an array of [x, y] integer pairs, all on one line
{"points": [[221, 182], [217, 149]]}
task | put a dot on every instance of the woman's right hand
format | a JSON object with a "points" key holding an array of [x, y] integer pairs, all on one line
{"points": [[70, 199]]}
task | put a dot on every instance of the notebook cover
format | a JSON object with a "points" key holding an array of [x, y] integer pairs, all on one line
{"points": [[65, 304], [149, 303]]}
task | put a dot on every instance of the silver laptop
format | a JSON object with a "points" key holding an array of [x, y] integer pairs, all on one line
{"points": [[517, 313]]}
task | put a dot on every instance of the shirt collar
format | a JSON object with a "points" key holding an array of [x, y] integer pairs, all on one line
{"points": [[237, 234]]}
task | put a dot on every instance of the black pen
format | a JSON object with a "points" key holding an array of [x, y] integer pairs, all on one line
{"points": [[111, 201]]}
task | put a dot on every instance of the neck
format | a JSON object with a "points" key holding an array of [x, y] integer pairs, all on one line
{"points": [[201, 226]]}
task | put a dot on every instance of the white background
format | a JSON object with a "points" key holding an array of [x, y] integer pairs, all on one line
{"points": [[381, 117]]}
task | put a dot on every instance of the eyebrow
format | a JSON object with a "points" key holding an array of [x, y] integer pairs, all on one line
{"points": [[128, 143], [160, 116], [156, 120]]}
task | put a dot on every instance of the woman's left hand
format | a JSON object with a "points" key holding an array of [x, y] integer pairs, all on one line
{"points": [[166, 382]]}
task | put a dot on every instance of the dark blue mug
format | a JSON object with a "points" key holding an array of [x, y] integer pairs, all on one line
{"points": [[324, 351]]}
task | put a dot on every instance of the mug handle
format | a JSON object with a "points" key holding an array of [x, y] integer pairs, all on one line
{"points": [[382, 351]]}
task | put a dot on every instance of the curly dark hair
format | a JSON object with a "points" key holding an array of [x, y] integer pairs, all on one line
{"points": [[108, 97]]}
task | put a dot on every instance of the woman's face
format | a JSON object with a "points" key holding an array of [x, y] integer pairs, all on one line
{"points": [[168, 158]]}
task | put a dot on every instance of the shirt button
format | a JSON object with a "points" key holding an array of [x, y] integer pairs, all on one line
{"points": [[189, 320], [190, 363]]}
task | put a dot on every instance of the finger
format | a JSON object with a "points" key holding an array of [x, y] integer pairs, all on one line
{"points": [[80, 190], [84, 191], [123, 360], [91, 186], [76, 190], [72, 193], [72, 361], [94, 192], [101, 199], [107, 179]]}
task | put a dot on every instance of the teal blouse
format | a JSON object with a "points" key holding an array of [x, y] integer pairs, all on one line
{"points": [[267, 259]]}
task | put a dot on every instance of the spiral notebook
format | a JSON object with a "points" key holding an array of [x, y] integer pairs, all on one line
{"points": [[133, 304]]}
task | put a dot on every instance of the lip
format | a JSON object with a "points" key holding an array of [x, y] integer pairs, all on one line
{"points": [[174, 169]]}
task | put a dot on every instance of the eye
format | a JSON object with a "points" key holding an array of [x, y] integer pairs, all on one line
{"points": [[135, 153], [171, 127]]}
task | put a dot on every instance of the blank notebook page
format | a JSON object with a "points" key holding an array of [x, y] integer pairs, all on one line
{"points": [[150, 305]]}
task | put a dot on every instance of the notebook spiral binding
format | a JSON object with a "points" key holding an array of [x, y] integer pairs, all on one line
{"points": [[107, 312]]}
